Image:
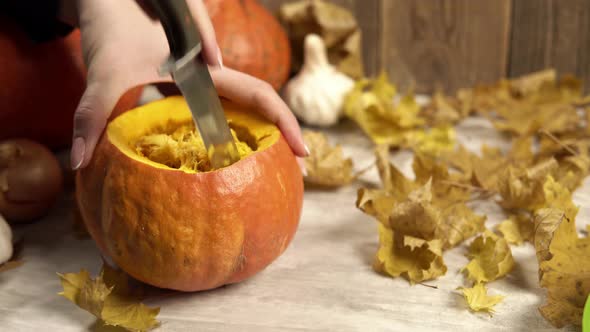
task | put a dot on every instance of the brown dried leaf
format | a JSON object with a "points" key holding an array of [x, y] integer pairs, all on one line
{"points": [[111, 303], [326, 165], [521, 188], [415, 259], [491, 258], [335, 24]]}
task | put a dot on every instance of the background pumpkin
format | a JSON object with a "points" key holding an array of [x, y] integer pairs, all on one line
{"points": [[41, 85], [251, 39]]}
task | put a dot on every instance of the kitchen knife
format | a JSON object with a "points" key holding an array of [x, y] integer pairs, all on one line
{"points": [[191, 75]]}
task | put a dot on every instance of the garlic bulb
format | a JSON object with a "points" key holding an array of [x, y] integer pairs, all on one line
{"points": [[316, 93], [5, 241]]}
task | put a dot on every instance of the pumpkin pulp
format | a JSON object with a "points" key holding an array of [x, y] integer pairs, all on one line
{"points": [[168, 138]]}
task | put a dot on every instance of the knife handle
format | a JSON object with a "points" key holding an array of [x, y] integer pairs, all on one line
{"points": [[179, 26]]}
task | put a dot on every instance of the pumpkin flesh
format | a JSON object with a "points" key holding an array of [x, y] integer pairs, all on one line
{"points": [[183, 226]]}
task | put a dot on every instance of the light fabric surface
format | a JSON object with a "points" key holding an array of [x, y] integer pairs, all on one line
{"points": [[323, 282]]}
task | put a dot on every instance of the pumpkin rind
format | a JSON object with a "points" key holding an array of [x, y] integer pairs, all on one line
{"points": [[41, 85], [251, 39], [190, 232]]}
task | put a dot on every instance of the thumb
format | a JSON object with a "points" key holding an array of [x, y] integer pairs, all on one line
{"points": [[90, 119]]}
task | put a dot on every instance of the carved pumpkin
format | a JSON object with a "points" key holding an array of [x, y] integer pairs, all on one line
{"points": [[152, 205], [251, 39]]}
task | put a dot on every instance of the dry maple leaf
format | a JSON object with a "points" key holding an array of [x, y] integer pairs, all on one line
{"points": [[370, 105], [416, 216], [108, 298], [478, 299], [415, 259], [392, 179], [433, 141], [389, 119], [486, 169], [517, 229], [564, 268], [442, 110], [526, 104], [427, 208], [525, 118], [564, 265], [491, 258], [521, 188], [458, 223], [326, 165]]}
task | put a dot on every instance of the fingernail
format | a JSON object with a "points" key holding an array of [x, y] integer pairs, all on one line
{"points": [[77, 153], [307, 152], [219, 58], [301, 163]]}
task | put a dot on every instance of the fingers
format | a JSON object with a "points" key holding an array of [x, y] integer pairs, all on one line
{"points": [[253, 93], [211, 52], [90, 120]]}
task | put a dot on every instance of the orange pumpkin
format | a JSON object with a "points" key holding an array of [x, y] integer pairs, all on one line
{"points": [[41, 85], [153, 207], [251, 39]]}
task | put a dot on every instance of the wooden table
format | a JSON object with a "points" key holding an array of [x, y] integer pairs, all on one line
{"points": [[323, 282]]}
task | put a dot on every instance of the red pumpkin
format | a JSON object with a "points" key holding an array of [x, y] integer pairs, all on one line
{"points": [[41, 85], [251, 39]]}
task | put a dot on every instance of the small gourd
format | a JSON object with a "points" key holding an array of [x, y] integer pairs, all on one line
{"points": [[5, 241], [316, 93]]}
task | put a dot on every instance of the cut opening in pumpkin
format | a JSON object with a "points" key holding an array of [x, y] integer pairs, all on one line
{"points": [[163, 134], [179, 145]]}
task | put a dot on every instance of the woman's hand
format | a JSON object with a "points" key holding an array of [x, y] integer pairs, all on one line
{"points": [[124, 48]]}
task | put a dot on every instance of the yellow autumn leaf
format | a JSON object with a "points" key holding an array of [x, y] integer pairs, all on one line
{"points": [[442, 110], [572, 170], [491, 258], [521, 188], [526, 104], [415, 259], [517, 229], [444, 185], [416, 216], [372, 105], [434, 141], [376, 203], [478, 299], [108, 302], [458, 223], [326, 165], [529, 84], [525, 118], [392, 179], [559, 197], [426, 208], [488, 167], [461, 160], [564, 267]]}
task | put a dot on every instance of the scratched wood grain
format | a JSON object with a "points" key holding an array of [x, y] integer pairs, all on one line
{"points": [[551, 33], [446, 43]]}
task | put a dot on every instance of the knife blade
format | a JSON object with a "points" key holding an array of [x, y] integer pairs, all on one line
{"points": [[191, 76]]}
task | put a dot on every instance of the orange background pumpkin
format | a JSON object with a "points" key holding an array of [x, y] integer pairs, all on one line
{"points": [[41, 85], [251, 39]]}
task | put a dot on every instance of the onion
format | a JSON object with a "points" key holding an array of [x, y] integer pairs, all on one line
{"points": [[6, 249], [30, 180]]}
